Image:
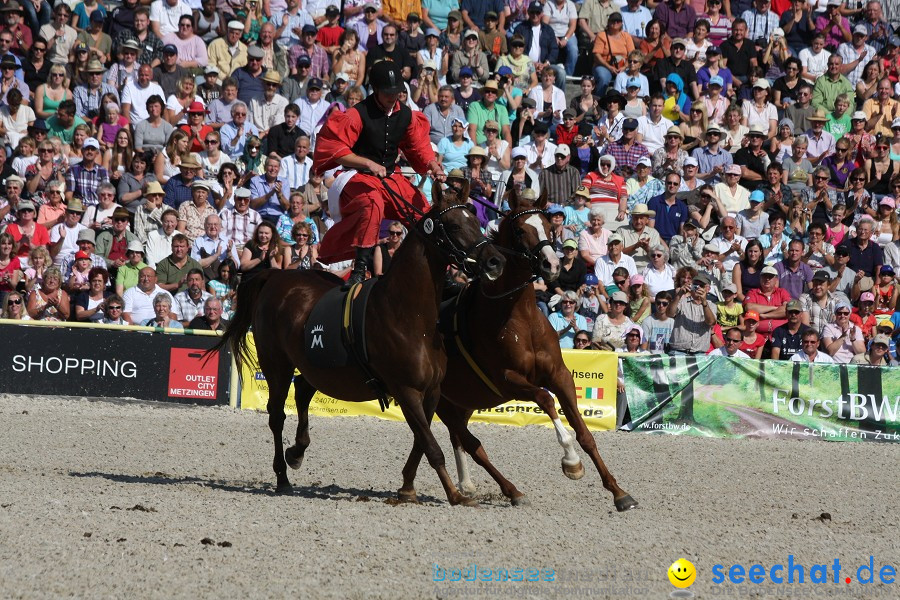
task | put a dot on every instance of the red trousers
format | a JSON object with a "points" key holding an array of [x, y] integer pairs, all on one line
{"points": [[365, 203]]}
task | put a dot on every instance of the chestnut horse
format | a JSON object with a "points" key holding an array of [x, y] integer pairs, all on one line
{"points": [[403, 342], [517, 349]]}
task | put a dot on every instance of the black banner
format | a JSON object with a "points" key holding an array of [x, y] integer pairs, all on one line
{"points": [[109, 363]]}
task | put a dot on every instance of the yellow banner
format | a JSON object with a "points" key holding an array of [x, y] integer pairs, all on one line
{"points": [[594, 374]]}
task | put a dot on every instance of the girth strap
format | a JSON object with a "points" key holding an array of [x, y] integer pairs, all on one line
{"points": [[457, 339], [355, 341]]}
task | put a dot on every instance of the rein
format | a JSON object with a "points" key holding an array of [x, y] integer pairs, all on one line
{"points": [[462, 258]]}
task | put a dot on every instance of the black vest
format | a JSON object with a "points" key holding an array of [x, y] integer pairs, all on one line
{"points": [[380, 137]]}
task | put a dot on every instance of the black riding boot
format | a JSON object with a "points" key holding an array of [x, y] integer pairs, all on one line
{"points": [[364, 261]]}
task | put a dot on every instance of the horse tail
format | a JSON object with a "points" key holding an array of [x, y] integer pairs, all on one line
{"points": [[235, 334]]}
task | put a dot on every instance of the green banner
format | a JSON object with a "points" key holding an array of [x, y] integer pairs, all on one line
{"points": [[736, 398]]}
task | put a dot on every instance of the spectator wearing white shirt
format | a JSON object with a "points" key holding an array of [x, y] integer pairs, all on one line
{"points": [[814, 59], [64, 236], [136, 93], [613, 259], [732, 347], [164, 16], [540, 151], [312, 108], [159, 243], [296, 167], [138, 305], [809, 352], [729, 245], [652, 127]]}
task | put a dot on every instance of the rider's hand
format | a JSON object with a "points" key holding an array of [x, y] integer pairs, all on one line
{"points": [[436, 170]]}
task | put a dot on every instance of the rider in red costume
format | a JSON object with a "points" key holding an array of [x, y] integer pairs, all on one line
{"points": [[364, 142]]}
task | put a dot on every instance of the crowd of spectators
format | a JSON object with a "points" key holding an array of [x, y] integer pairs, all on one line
{"points": [[714, 170]]}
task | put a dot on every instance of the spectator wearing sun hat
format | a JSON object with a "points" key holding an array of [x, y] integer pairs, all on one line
{"points": [[487, 109], [268, 111]]}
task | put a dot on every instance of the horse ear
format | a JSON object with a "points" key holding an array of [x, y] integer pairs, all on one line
{"points": [[542, 200], [513, 198], [437, 193], [464, 191]]}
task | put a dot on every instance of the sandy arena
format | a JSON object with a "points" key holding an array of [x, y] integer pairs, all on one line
{"points": [[103, 499]]}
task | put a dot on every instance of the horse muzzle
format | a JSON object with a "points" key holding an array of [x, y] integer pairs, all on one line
{"points": [[491, 263]]}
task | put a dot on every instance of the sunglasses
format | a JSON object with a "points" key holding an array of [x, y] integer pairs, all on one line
{"points": [[662, 303], [863, 179], [568, 302], [582, 341], [114, 307], [395, 233], [822, 178], [843, 313], [810, 342], [733, 341], [673, 183], [16, 301]]}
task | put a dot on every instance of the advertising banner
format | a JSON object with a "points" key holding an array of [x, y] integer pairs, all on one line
{"points": [[736, 398], [595, 385], [61, 360]]}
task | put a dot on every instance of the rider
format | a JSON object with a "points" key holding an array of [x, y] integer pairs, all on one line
{"points": [[364, 142]]}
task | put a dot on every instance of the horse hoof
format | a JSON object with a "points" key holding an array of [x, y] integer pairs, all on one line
{"points": [[284, 489], [408, 497], [520, 501], [573, 471], [470, 502], [294, 457], [626, 502], [466, 488]]}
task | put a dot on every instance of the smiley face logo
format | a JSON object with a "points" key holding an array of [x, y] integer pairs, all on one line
{"points": [[682, 573]]}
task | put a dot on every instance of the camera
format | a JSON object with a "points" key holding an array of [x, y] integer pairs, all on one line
{"points": [[695, 287]]}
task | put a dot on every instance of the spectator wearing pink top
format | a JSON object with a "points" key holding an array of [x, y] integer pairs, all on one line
{"points": [[593, 239], [192, 52]]}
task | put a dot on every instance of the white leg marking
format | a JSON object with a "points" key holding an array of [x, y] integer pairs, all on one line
{"points": [[465, 485], [565, 439]]}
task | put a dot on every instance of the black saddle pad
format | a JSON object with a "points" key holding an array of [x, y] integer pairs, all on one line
{"points": [[336, 321]]}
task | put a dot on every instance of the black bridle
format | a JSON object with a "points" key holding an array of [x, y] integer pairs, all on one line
{"points": [[434, 231], [532, 255]]}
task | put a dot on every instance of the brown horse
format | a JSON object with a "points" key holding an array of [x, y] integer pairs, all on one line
{"points": [[517, 349], [403, 343]]}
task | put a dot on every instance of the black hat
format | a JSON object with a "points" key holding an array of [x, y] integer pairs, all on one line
{"points": [[385, 77], [332, 10], [540, 127], [612, 96]]}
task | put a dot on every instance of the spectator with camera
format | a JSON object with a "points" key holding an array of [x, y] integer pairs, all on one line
{"points": [[694, 316]]}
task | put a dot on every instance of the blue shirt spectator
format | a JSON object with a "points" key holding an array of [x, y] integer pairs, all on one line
{"points": [[670, 216]]}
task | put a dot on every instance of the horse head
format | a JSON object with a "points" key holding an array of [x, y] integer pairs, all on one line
{"points": [[452, 225], [526, 229]]}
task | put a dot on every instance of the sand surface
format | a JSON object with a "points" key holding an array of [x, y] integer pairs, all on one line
{"points": [[103, 499]]}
